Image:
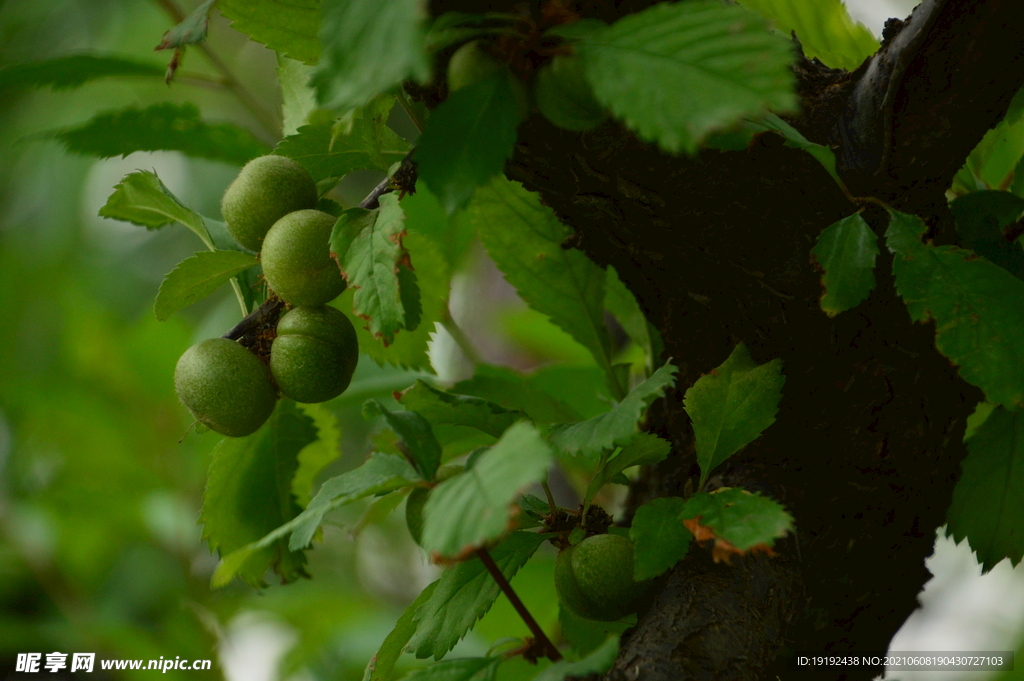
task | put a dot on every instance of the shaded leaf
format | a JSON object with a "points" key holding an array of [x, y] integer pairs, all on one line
{"points": [[286, 26], [196, 277], [659, 538], [248, 493], [981, 218], [324, 155], [142, 199], [676, 71], [516, 391], [473, 508], [621, 302], [597, 662], [316, 455], [771, 123], [191, 30], [460, 669], [732, 405], [439, 406], [616, 427], [646, 449], [979, 319], [988, 500], [468, 138], [743, 519], [846, 253], [368, 48], [418, 443], [160, 127], [382, 664], [586, 636], [465, 593], [73, 71]]}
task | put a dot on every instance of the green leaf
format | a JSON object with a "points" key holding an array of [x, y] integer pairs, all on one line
{"points": [[316, 455], [524, 238], [382, 664], [363, 148], [248, 493], [586, 636], [196, 277], [418, 442], [732, 405], [515, 391], [368, 247], [286, 26], [741, 518], [461, 669], [425, 216], [369, 47], [298, 99], [409, 349], [823, 154], [465, 593], [597, 662], [616, 427], [73, 71], [142, 199], [439, 406], [676, 71], [824, 28], [646, 449], [164, 126], [468, 139], [191, 29], [472, 508], [846, 252], [980, 218], [979, 318], [659, 538], [988, 501], [621, 302]]}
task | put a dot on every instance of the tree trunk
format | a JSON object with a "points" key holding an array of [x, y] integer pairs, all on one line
{"points": [[868, 439]]}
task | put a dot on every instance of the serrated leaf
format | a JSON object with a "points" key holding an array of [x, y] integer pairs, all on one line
{"points": [[196, 277], [976, 306], [621, 302], [741, 518], [824, 28], [316, 455], [248, 493], [472, 508], [659, 538], [439, 406], [418, 443], [771, 123], [586, 636], [368, 48], [468, 139], [616, 427], [461, 669], [191, 29], [988, 500], [980, 219], [516, 391], [298, 99], [160, 127], [646, 449], [362, 148], [732, 405], [72, 71], [524, 238], [142, 199], [367, 245], [465, 593], [597, 662], [286, 26], [846, 253], [676, 71], [382, 664], [409, 349]]}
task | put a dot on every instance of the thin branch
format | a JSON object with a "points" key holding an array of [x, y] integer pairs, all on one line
{"points": [[506, 588], [459, 336], [403, 100], [373, 198]]}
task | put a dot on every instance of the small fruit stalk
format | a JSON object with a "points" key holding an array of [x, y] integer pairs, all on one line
{"points": [[594, 578]]}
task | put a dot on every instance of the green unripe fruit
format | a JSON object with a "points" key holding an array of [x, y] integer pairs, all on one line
{"points": [[469, 64], [565, 97], [267, 189], [594, 579], [314, 354], [418, 498], [226, 387], [297, 260]]}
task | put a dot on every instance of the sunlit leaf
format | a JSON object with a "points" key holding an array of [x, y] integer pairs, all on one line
{"points": [[142, 199], [743, 519], [197, 277]]}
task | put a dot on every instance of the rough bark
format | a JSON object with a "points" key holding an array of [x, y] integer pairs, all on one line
{"points": [[868, 439]]}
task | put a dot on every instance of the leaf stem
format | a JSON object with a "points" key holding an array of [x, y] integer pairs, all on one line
{"points": [[550, 650], [403, 100], [459, 336], [551, 499]]}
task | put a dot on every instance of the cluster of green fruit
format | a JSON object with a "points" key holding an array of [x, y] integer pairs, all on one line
{"points": [[270, 208]]}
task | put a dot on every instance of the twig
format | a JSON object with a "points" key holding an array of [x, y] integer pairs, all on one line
{"points": [[506, 588], [459, 336], [373, 199], [551, 499], [256, 318]]}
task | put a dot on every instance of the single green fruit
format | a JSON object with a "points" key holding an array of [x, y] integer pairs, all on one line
{"points": [[594, 579], [314, 354], [418, 498], [267, 189], [226, 387], [565, 97], [469, 64], [297, 260]]}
